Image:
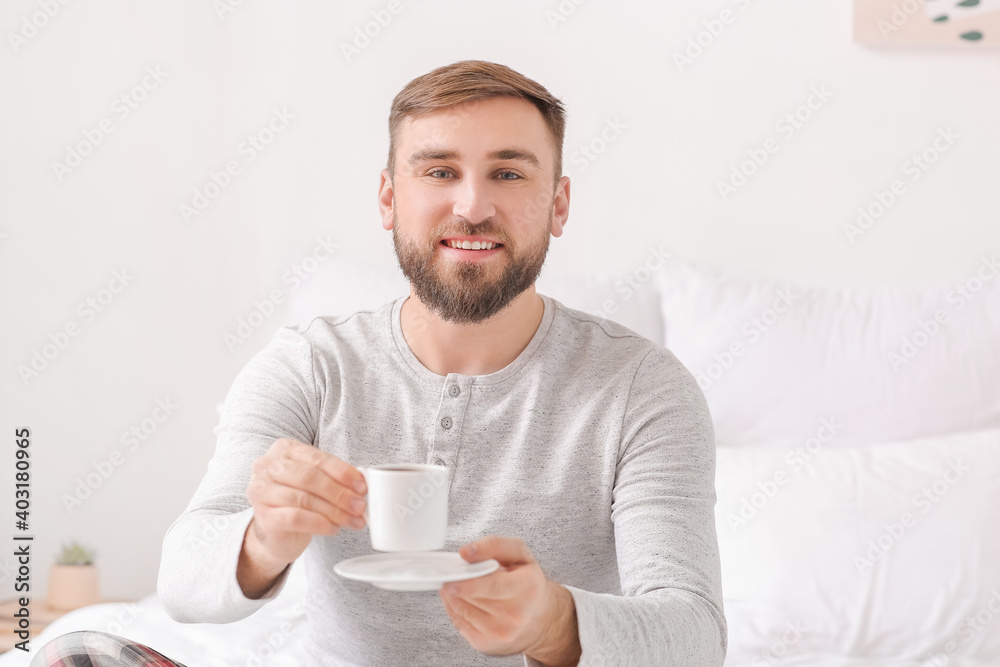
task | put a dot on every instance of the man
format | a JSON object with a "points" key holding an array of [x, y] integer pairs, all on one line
{"points": [[581, 455]]}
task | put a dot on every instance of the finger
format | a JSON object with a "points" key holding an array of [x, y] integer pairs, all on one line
{"points": [[467, 618], [484, 591], [298, 474], [316, 482], [505, 550], [277, 495], [340, 471], [294, 520]]}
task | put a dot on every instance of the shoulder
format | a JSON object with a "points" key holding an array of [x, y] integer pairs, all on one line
{"points": [[336, 331], [595, 325], [318, 346], [603, 345], [657, 380], [609, 340]]}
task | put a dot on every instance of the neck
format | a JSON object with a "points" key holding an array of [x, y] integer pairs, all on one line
{"points": [[471, 349]]}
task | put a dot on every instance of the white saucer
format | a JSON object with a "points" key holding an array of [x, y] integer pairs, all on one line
{"points": [[413, 570]]}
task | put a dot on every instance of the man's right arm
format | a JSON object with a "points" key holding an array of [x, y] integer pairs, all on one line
{"points": [[273, 399], [254, 572], [296, 491]]}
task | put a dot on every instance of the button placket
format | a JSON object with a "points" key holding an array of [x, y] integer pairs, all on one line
{"points": [[451, 410]]}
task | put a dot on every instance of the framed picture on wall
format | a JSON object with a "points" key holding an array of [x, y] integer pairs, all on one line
{"points": [[973, 23]]}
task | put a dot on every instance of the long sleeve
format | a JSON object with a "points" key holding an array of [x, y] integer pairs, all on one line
{"points": [[273, 397], [670, 612]]}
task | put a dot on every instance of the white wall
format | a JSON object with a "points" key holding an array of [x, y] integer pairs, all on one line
{"points": [[162, 336]]}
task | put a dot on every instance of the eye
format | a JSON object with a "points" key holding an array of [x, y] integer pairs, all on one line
{"points": [[439, 171], [504, 176]]}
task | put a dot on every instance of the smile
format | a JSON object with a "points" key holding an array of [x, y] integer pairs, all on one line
{"points": [[470, 245], [472, 252]]}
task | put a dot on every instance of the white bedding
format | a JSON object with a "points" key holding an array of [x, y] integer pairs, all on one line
{"points": [[790, 560], [272, 636]]}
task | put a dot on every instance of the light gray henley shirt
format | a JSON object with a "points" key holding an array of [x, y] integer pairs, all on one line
{"points": [[595, 446]]}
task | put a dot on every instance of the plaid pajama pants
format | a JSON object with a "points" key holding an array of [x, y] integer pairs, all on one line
{"points": [[89, 648]]}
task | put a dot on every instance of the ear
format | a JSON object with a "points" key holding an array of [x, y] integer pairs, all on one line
{"points": [[385, 199], [560, 206]]}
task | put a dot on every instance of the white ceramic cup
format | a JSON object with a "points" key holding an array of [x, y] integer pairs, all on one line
{"points": [[407, 506]]}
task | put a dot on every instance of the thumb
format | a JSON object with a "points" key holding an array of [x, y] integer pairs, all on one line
{"points": [[505, 550]]}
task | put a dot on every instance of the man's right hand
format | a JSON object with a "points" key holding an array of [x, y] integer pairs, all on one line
{"points": [[296, 491]]}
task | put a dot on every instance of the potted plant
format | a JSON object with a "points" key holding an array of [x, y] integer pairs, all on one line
{"points": [[73, 580]]}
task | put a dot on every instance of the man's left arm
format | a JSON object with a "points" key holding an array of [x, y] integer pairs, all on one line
{"points": [[663, 508]]}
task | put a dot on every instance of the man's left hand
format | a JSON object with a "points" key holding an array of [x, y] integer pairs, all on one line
{"points": [[515, 609]]}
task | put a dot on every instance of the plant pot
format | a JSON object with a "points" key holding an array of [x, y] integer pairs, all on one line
{"points": [[73, 586]]}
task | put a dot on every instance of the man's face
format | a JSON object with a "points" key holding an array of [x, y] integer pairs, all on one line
{"points": [[480, 170]]}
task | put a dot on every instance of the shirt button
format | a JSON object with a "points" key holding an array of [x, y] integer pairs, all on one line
{"points": [[454, 390], [446, 422]]}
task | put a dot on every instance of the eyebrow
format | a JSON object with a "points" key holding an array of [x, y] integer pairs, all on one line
{"points": [[429, 154]]}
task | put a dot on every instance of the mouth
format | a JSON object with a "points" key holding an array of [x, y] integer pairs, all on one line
{"points": [[470, 244], [470, 249]]}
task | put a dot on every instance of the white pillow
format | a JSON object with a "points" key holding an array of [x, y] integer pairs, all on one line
{"points": [[774, 360], [840, 551]]}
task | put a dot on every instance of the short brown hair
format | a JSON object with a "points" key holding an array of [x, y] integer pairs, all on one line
{"points": [[470, 80]]}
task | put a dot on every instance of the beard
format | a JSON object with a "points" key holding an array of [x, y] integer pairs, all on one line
{"points": [[468, 292]]}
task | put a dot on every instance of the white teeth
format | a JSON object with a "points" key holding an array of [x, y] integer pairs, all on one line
{"points": [[472, 245]]}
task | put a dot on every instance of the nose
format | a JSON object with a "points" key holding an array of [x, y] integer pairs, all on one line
{"points": [[472, 201]]}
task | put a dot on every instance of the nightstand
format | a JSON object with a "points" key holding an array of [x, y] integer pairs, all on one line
{"points": [[41, 615]]}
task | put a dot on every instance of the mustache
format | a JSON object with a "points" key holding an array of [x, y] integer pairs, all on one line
{"points": [[465, 228]]}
